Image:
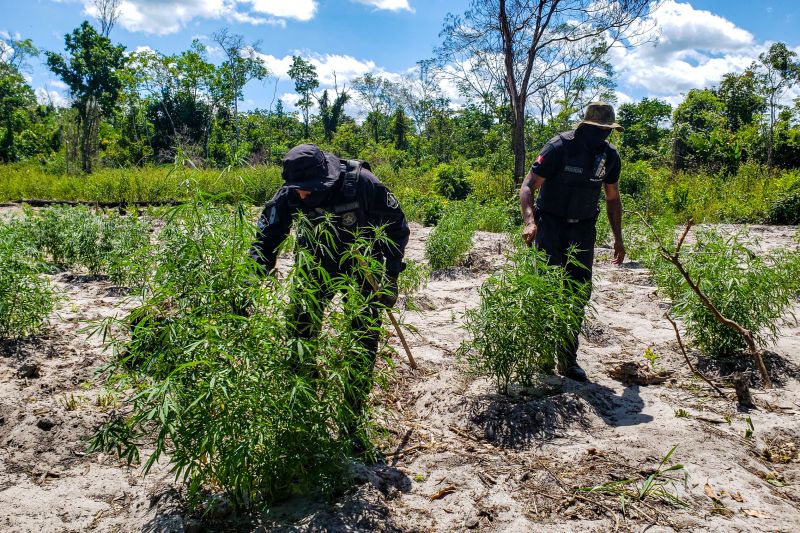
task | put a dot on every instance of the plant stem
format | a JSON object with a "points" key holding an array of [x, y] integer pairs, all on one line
{"points": [[689, 362]]}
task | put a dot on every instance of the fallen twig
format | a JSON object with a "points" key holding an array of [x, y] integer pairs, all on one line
{"points": [[689, 362]]}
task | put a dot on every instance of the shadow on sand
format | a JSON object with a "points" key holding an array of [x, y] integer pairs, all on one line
{"points": [[359, 507], [779, 368], [557, 406]]}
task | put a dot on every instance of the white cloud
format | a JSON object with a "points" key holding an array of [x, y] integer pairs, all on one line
{"points": [[331, 68], [391, 5], [289, 100], [692, 48], [44, 96], [296, 9], [163, 17]]}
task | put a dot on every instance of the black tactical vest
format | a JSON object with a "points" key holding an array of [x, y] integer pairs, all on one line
{"points": [[348, 215], [574, 193]]}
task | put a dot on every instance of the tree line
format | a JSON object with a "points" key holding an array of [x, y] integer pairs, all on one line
{"points": [[523, 71]]}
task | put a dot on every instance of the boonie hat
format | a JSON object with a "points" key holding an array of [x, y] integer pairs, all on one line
{"points": [[308, 168], [600, 114]]}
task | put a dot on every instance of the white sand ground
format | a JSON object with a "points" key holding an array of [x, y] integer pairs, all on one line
{"points": [[499, 464]]}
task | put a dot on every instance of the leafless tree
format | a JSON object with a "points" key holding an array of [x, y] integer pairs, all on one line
{"points": [[539, 42], [108, 12]]}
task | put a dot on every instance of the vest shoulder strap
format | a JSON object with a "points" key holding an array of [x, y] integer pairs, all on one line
{"points": [[352, 173]]}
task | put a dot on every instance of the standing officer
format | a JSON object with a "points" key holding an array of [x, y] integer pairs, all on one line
{"points": [[570, 171], [344, 192]]}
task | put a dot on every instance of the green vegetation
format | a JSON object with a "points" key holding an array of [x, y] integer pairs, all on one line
{"points": [[753, 290], [527, 311], [659, 486], [26, 298], [451, 182], [236, 402], [146, 184], [451, 239], [78, 237]]}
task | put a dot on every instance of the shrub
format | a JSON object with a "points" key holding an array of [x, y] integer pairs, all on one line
{"points": [[527, 312], [451, 182], [238, 402], [26, 298], [451, 239], [751, 290], [496, 216], [413, 278], [426, 209], [126, 250], [635, 180], [786, 209], [75, 237]]}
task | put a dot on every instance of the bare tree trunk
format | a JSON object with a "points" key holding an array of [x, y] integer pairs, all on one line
{"points": [[518, 145]]}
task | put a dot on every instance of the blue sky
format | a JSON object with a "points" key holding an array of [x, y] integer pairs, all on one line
{"points": [[699, 40]]}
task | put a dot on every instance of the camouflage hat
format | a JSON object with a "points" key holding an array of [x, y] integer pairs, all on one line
{"points": [[308, 168], [600, 114]]}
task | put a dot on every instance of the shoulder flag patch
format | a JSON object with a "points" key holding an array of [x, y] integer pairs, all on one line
{"points": [[540, 159]]}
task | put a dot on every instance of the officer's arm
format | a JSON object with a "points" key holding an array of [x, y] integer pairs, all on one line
{"points": [[383, 209], [614, 210], [531, 183], [273, 227]]}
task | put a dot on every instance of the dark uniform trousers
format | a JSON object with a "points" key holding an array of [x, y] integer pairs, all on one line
{"points": [[306, 321], [555, 236]]}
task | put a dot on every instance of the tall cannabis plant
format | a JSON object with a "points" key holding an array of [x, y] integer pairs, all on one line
{"points": [[527, 312], [214, 376]]}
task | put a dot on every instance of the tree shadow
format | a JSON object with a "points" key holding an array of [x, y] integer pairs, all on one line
{"points": [[520, 421], [362, 506]]}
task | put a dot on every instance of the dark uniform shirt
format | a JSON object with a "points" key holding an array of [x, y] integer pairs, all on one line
{"points": [[372, 206], [551, 160]]}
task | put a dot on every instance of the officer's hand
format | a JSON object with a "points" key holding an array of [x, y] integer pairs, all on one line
{"points": [[529, 233], [388, 295], [619, 253]]}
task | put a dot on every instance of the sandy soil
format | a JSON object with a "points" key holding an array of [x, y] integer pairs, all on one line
{"points": [[459, 457]]}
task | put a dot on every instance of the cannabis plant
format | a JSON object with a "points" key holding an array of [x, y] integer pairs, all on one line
{"points": [[755, 291], [126, 250], [26, 298], [214, 375], [527, 312], [451, 239], [68, 236]]}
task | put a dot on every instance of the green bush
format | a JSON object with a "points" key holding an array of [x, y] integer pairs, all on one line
{"points": [[426, 209], [238, 403], [635, 180], [26, 298], [496, 216], [527, 312], [413, 278], [451, 239], [752, 290], [786, 209], [451, 182], [126, 250], [68, 236]]}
